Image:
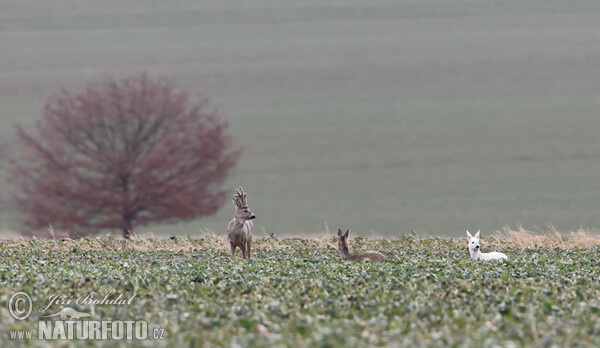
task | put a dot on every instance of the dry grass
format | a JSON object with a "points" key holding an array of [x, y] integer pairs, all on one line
{"points": [[207, 240], [519, 237], [522, 238]]}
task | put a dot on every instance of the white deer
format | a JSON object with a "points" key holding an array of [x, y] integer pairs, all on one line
{"points": [[475, 250], [239, 230]]}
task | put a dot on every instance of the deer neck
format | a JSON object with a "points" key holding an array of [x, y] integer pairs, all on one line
{"points": [[344, 251], [239, 222], [475, 254]]}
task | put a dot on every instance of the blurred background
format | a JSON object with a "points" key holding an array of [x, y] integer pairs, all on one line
{"points": [[383, 116]]}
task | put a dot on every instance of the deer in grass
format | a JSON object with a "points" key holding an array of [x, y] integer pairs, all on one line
{"points": [[345, 252], [239, 230], [475, 250]]}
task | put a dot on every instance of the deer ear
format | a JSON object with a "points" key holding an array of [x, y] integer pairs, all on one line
{"points": [[346, 234], [469, 235], [477, 234], [339, 232]]}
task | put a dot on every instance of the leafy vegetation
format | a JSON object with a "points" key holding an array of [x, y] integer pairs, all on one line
{"points": [[298, 292]]}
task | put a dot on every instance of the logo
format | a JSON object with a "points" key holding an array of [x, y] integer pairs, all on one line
{"points": [[69, 323], [20, 305], [69, 313]]}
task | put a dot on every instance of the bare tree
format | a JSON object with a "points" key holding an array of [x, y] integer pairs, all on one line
{"points": [[120, 155]]}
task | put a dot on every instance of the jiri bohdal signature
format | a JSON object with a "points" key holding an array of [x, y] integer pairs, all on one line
{"points": [[112, 298]]}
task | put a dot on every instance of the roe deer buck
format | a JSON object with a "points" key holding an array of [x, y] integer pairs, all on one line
{"points": [[239, 230], [345, 253]]}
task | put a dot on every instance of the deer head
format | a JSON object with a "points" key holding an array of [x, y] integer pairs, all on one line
{"points": [[242, 212], [343, 241]]}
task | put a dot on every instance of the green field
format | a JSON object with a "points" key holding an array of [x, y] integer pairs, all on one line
{"points": [[297, 292], [383, 116]]}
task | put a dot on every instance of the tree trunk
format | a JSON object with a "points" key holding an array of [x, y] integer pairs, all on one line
{"points": [[127, 217], [127, 227]]}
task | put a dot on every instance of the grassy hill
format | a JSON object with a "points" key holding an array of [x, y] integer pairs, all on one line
{"points": [[383, 116]]}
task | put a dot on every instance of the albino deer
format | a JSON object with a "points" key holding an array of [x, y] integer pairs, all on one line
{"points": [[475, 250], [345, 252], [239, 230]]}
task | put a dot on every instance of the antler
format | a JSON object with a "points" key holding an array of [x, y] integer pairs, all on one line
{"points": [[239, 199]]}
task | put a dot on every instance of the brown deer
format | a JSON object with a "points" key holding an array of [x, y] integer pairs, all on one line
{"points": [[239, 230], [345, 252]]}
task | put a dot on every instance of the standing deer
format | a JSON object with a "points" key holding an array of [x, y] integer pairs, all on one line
{"points": [[239, 230], [345, 252]]}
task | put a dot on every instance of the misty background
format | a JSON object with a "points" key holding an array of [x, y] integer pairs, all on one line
{"points": [[380, 116]]}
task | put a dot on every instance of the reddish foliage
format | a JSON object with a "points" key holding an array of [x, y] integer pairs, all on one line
{"points": [[119, 155]]}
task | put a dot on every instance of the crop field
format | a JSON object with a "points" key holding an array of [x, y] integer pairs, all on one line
{"points": [[407, 120], [297, 292], [384, 115]]}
